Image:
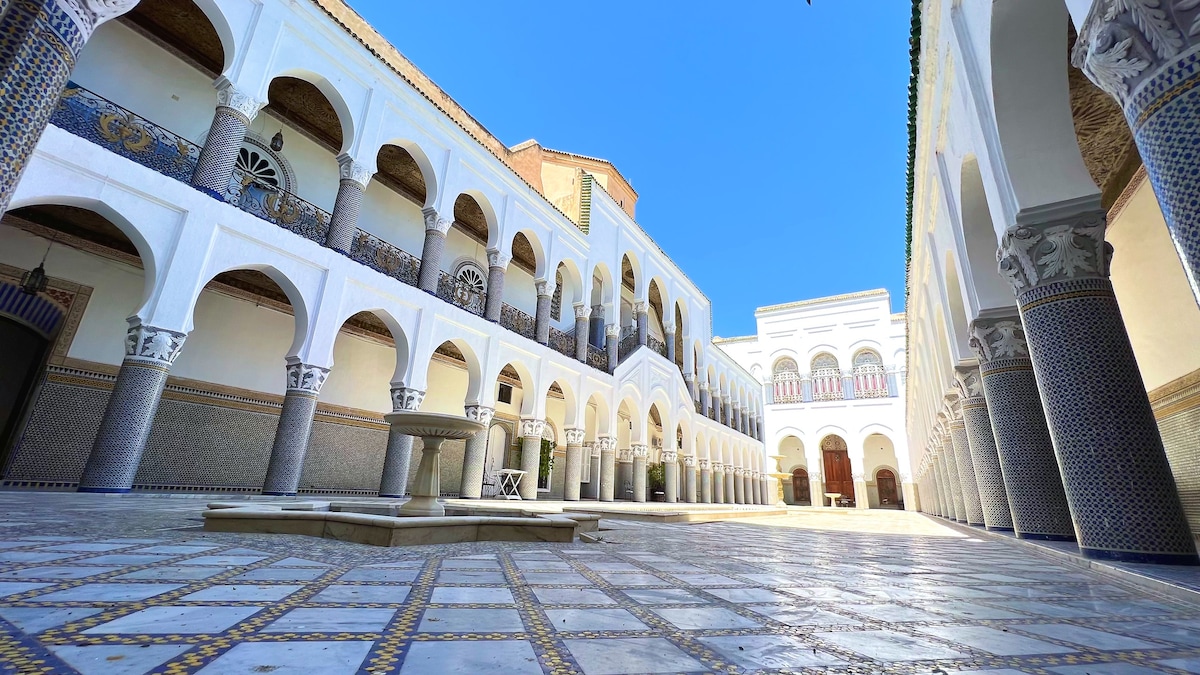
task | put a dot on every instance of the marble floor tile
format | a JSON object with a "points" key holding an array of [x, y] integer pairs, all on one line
{"points": [[893, 613], [703, 618], [56, 572], [470, 577], [291, 658], [176, 549], [1088, 637], [617, 656], [1105, 669], [599, 566], [275, 574], [803, 616], [33, 556], [763, 579], [332, 620], [299, 562], [1043, 608], [38, 619], [1123, 607], [168, 620], [969, 610], [241, 593], [107, 593], [555, 579], [466, 595], [886, 645], [1190, 665], [363, 593], [1168, 632], [572, 596], [472, 565], [224, 560], [543, 565], [443, 620], [770, 651], [117, 659], [572, 620], [826, 594], [388, 575], [83, 547], [708, 580], [749, 595], [626, 579], [491, 657], [675, 568], [663, 596], [994, 641]]}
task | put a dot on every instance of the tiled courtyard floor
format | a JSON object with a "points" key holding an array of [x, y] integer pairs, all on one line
{"points": [[95, 584]]}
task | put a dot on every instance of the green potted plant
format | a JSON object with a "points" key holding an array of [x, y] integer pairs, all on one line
{"points": [[656, 481]]}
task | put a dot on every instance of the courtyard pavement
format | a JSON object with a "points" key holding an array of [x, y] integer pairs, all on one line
{"points": [[98, 584]]}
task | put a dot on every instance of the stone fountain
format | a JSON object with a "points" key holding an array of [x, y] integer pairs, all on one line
{"points": [[779, 477], [434, 429]]}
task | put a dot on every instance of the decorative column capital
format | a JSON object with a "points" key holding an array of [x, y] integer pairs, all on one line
{"points": [[498, 259], [606, 443], [574, 436], [704, 386], [305, 378], [705, 464], [151, 345], [407, 398], [689, 378], [89, 14], [670, 456], [353, 170], [993, 339], [544, 287], [582, 311], [481, 414], [612, 330], [968, 383], [532, 427], [237, 101], [716, 466], [434, 222], [590, 449], [689, 461], [640, 307], [669, 328], [1033, 255], [639, 450]]}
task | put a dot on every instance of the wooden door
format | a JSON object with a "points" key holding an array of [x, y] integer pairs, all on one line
{"points": [[801, 494], [885, 481], [838, 476]]}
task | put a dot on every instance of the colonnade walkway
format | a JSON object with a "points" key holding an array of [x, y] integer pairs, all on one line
{"points": [[131, 584]]}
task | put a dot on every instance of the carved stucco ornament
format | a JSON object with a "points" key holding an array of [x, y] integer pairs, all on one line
{"points": [[997, 339], [1030, 256]]}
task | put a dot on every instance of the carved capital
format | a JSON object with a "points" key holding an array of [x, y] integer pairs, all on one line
{"points": [[639, 450], [351, 170], [241, 103], [532, 427], [481, 414], [1033, 255], [993, 339], [718, 467], [612, 330], [639, 307], [406, 398], [669, 328], [705, 465], [670, 456], [434, 222], [544, 287], [148, 344], [689, 461], [968, 383], [302, 377], [498, 259], [88, 14], [606, 443], [582, 311], [574, 436]]}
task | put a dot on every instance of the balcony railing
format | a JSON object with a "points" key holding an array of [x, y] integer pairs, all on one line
{"points": [[385, 258], [827, 385], [597, 358], [460, 294], [626, 346], [518, 322], [657, 345], [870, 382], [562, 342], [278, 206]]}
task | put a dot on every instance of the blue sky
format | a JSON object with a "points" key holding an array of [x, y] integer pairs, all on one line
{"points": [[766, 141]]}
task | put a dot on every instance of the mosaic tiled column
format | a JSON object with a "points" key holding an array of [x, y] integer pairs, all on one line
{"points": [[353, 178], [494, 302], [689, 380], [125, 427], [944, 502], [436, 228], [735, 415], [39, 42], [952, 474], [1114, 466], [596, 326], [641, 314], [541, 318], [737, 489], [966, 470], [706, 482], [756, 490], [705, 400], [669, 339], [582, 312], [591, 453], [1031, 476], [718, 483], [574, 464], [1146, 57], [475, 452], [295, 427], [748, 489], [531, 456], [398, 457], [625, 474], [993, 500], [640, 453], [764, 488], [670, 460], [612, 342], [608, 468], [235, 111], [689, 479]]}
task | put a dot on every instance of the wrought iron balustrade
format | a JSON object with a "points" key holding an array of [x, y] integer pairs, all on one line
{"points": [[385, 258], [562, 342], [460, 294], [699, 410], [657, 345], [518, 322], [97, 119], [597, 358], [278, 206], [626, 346]]}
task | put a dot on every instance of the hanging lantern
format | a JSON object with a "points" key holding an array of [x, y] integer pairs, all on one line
{"points": [[277, 141], [34, 281]]}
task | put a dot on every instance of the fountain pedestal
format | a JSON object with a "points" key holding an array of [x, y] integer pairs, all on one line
{"points": [[434, 429], [779, 477]]}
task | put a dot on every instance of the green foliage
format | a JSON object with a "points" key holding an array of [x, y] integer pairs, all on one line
{"points": [[546, 461], [656, 477]]}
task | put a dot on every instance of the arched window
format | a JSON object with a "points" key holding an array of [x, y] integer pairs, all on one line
{"points": [[826, 378], [870, 379], [787, 382]]}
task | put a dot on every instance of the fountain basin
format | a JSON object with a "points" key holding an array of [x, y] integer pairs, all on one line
{"points": [[434, 429]]}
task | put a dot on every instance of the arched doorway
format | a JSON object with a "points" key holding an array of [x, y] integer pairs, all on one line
{"points": [[801, 494], [28, 324], [885, 482], [838, 475]]}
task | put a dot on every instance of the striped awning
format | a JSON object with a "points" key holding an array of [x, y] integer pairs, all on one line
{"points": [[37, 311]]}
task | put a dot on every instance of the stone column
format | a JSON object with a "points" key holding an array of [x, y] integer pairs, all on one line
{"points": [[398, 457], [735, 415], [966, 468], [748, 488], [1118, 483], [531, 455], [1027, 461], [640, 454], [591, 454], [574, 464], [541, 318], [235, 111], [768, 495], [689, 380], [705, 400], [475, 452], [436, 229], [946, 500], [39, 42], [612, 339], [497, 264], [718, 483], [756, 489], [608, 468], [689, 479], [343, 222], [952, 474], [581, 331], [125, 427], [989, 481], [1144, 56], [295, 427], [596, 326], [625, 474], [727, 415], [862, 498], [706, 482], [641, 314], [671, 474], [669, 338], [738, 485]]}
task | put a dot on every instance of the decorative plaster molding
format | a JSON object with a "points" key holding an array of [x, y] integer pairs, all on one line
{"points": [[669, 456], [574, 436], [640, 307], [608, 443], [1031, 255], [237, 101], [89, 14], [435, 222], [498, 259], [690, 461], [612, 330], [639, 450], [582, 311], [406, 398], [351, 170], [532, 427], [148, 344], [302, 377], [968, 383], [997, 339], [481, 414]]}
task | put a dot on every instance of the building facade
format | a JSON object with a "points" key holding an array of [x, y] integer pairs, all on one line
{"points": [[261, 228], [832, 375], [1054, 383]]}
